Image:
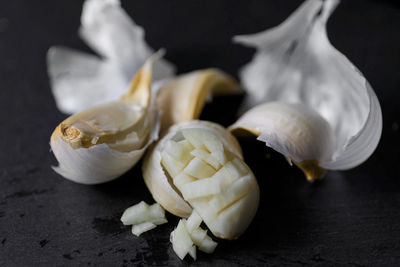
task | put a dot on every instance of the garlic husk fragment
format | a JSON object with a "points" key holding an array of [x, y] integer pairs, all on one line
{"points": [[225, 195], [296, 63], [103, 142], [293, 130], [183, 98], [80, 80]]}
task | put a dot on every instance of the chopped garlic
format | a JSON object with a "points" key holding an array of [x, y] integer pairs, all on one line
{"points": [[188, 235], [181, 240], [193, 221], [138, 229], [143, 217], [226, 197]]}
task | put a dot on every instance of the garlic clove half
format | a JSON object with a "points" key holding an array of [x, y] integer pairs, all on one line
{"points": [[296, 63], [81, 80], [226, 197], [183, 98], [103, 142]]}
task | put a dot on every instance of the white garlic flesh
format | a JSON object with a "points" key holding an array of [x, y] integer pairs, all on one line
{"points": [[188, 234], [215, 182], [143, 217], [103, 142]]}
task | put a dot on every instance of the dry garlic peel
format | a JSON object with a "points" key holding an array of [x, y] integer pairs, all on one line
{"points": [[161, 185], [103, 142], [225, 196], [80, 80], [295, 63], [183, 98]]}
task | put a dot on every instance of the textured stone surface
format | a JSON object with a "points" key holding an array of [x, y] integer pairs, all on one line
{"points": [[351, 218]]}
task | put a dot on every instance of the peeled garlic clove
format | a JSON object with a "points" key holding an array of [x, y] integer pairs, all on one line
{"points": [[160, 184], [103, 142], [80, 80], [296, 63], [183, 98], [293, 130], [226, 197]]}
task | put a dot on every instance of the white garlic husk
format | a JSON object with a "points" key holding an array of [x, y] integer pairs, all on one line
{"points": [[296, 63], [198, 165], [101, 143], [80, 80]]}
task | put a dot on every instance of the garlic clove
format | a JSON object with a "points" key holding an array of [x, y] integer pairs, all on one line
{"points": [[294, 130], [103, 142], [183, 98], [80, 80], [232, 185], [159, 182], [296, 63]]}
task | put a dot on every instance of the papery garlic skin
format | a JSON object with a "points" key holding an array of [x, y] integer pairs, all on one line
{"points": [[103, 142], [80, 80], [183, 98], [225, 196], [296, 63]]}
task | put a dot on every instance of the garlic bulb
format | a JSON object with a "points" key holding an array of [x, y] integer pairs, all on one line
{"points": [[103, 142], [295, 63], [81, 80], [199, 164], [183, 98]]}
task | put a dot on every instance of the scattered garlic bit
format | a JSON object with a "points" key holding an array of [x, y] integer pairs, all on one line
{"points": [[143, 217], [183, 98], [158, 181], [139, 229], [226, 198], [142, 212], [101, 143], [181, 241], [296, 63], [80, 80], [188, 235]]}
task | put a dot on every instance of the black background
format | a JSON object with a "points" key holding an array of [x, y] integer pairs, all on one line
{"points": [[351, 218]]}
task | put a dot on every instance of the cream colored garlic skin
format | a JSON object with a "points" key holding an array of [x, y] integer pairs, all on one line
{"points": [[103, 142], [199, 165], [296, 63]]}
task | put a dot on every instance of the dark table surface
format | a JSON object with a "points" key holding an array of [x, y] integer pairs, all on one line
{"points": [[350, 218]]}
